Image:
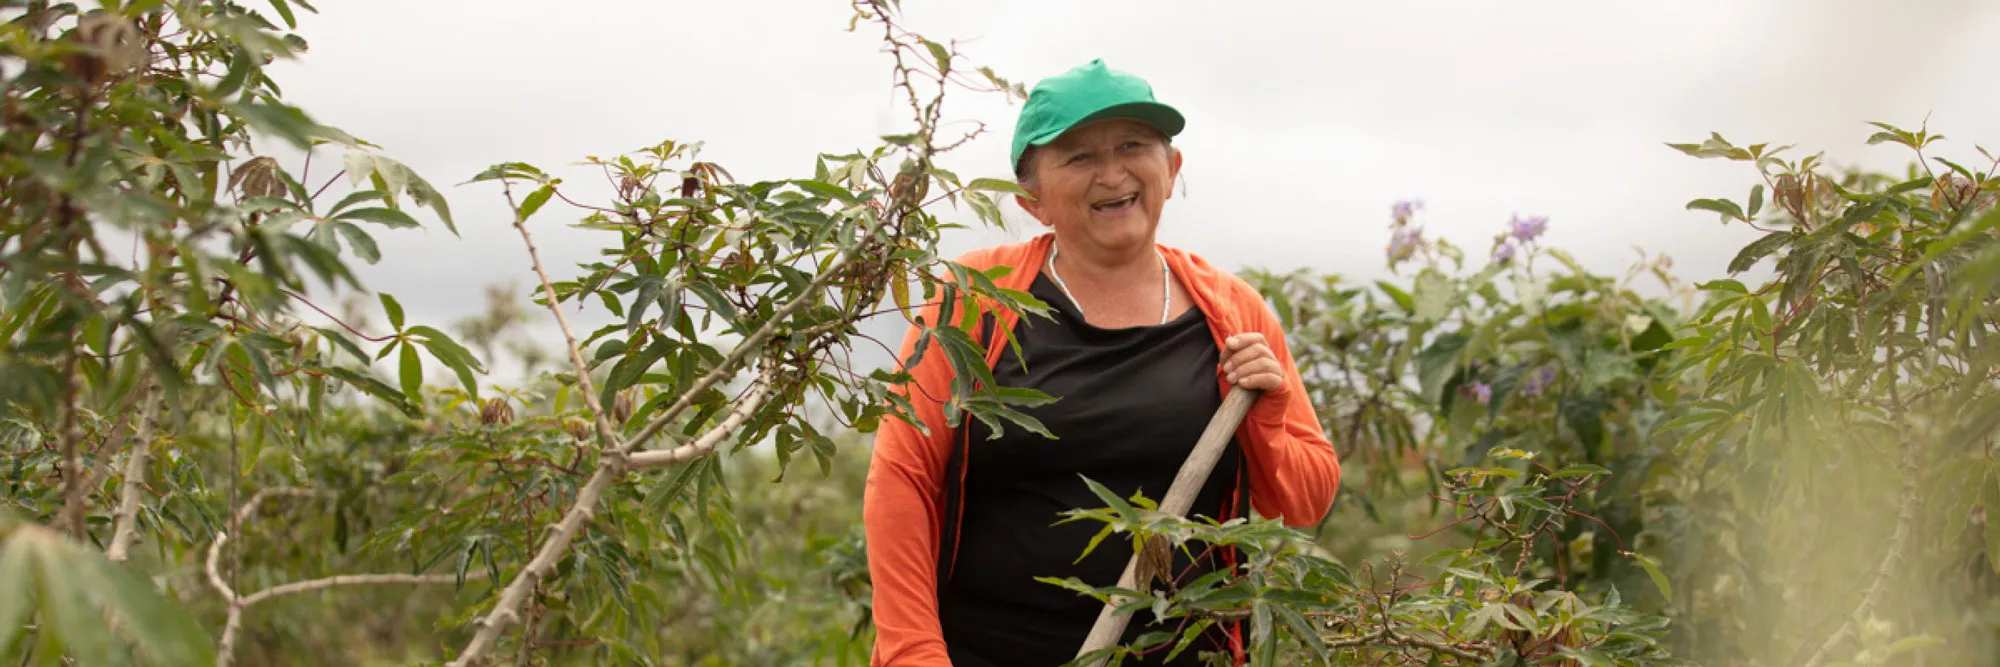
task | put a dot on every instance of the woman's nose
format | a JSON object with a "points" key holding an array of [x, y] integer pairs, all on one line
{"points": [[1112, 173]]}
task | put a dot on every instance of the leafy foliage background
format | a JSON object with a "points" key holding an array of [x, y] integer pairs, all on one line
{"points": [[1544, 465]]}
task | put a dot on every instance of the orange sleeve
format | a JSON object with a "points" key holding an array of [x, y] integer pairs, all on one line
{"points": [[1294, 471], [901, 509]]}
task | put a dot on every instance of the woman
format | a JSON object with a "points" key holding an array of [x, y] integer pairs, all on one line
{"points": [[1146, 340]]}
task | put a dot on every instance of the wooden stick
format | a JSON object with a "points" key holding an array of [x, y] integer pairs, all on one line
{"points": [[1180, 496]]}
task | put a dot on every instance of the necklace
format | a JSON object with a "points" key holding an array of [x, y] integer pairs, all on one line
{"points": [[1166, 274]]}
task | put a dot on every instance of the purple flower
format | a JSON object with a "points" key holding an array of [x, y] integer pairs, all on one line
{"points": [[1534, 384], [1503, 253], [1404, 209], [1526, 229], [1404, 244], [1480, 391]]}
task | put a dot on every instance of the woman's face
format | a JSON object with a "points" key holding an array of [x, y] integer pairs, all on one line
{"points": [[1103, 184]]}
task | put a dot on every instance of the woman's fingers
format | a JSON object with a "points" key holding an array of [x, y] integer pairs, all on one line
{"points": [[1251, 364]]}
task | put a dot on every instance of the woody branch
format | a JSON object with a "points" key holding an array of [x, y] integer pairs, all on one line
{"points": [[619, 457], [225, 654]]}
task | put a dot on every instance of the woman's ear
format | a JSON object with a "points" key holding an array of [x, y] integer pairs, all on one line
{"points": [[1029, 204]]}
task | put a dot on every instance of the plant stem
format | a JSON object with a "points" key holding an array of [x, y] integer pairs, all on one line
{"points": [[132, 486], [765, 386], [606, 434], [225, 651], [74, 484]]}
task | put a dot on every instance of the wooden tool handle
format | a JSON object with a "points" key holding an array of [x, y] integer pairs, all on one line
{"points": [[1180, 496]]}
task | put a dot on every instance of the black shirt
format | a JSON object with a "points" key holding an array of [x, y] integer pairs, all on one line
{"points": [[1131, 404]]}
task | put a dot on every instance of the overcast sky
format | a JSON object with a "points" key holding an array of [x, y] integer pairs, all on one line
{"points": [[1306, 119]]}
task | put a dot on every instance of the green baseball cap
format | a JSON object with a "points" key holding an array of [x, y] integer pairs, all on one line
{"points": [[1086, 93]]}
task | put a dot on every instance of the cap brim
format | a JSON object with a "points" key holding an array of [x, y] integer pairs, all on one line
{"points": [[1162, 117]]}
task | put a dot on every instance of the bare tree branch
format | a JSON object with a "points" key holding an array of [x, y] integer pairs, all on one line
{"points": [[73, 474], [346, 580], [765, 386], [215, 570], [129, 489], [225, 652], [607, 434]]}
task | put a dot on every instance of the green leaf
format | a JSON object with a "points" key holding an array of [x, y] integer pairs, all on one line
{"points": [[1436, 364], [1756, 199], [660, 501], [1723, 285], [629, 370], [355, 197], [240, 65], [1587, 657], [1026, 422], [1303, 630], [17, 574], [285, 12], [359, 164], [1580, 471], [393, 309], [942, 56], [996, 185], [1263, 638], [1651, 338], [1397, 295], [1091, 546], [412, 374], [363, 244], [717, 304], [1759, 249], [1188, 637], [280, 120], [1476, 622], [388, 217], [453, 355], [535, 200], [1653, 570], [1728, 209], [423, 194], [1110, 499], [160, 629], [1434, 295], [829, 190], [67, 601]]}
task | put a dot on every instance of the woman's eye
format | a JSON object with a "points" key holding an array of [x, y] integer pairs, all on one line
{"points": [[1077, 158]]}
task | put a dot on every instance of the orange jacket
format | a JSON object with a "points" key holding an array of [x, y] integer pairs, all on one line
{"points": [[1293, 470]]}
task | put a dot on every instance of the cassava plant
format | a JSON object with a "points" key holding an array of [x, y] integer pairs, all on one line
{"points": [[158, 401], [154, 260], [1496, 414], [718, 282], [1482, 607], [1837, 454]]}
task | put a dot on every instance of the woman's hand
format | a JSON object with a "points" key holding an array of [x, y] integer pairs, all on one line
{"points": [[1250, 364]]}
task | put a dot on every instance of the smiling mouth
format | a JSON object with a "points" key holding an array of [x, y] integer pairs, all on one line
{"points": [[1118, 204]]}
